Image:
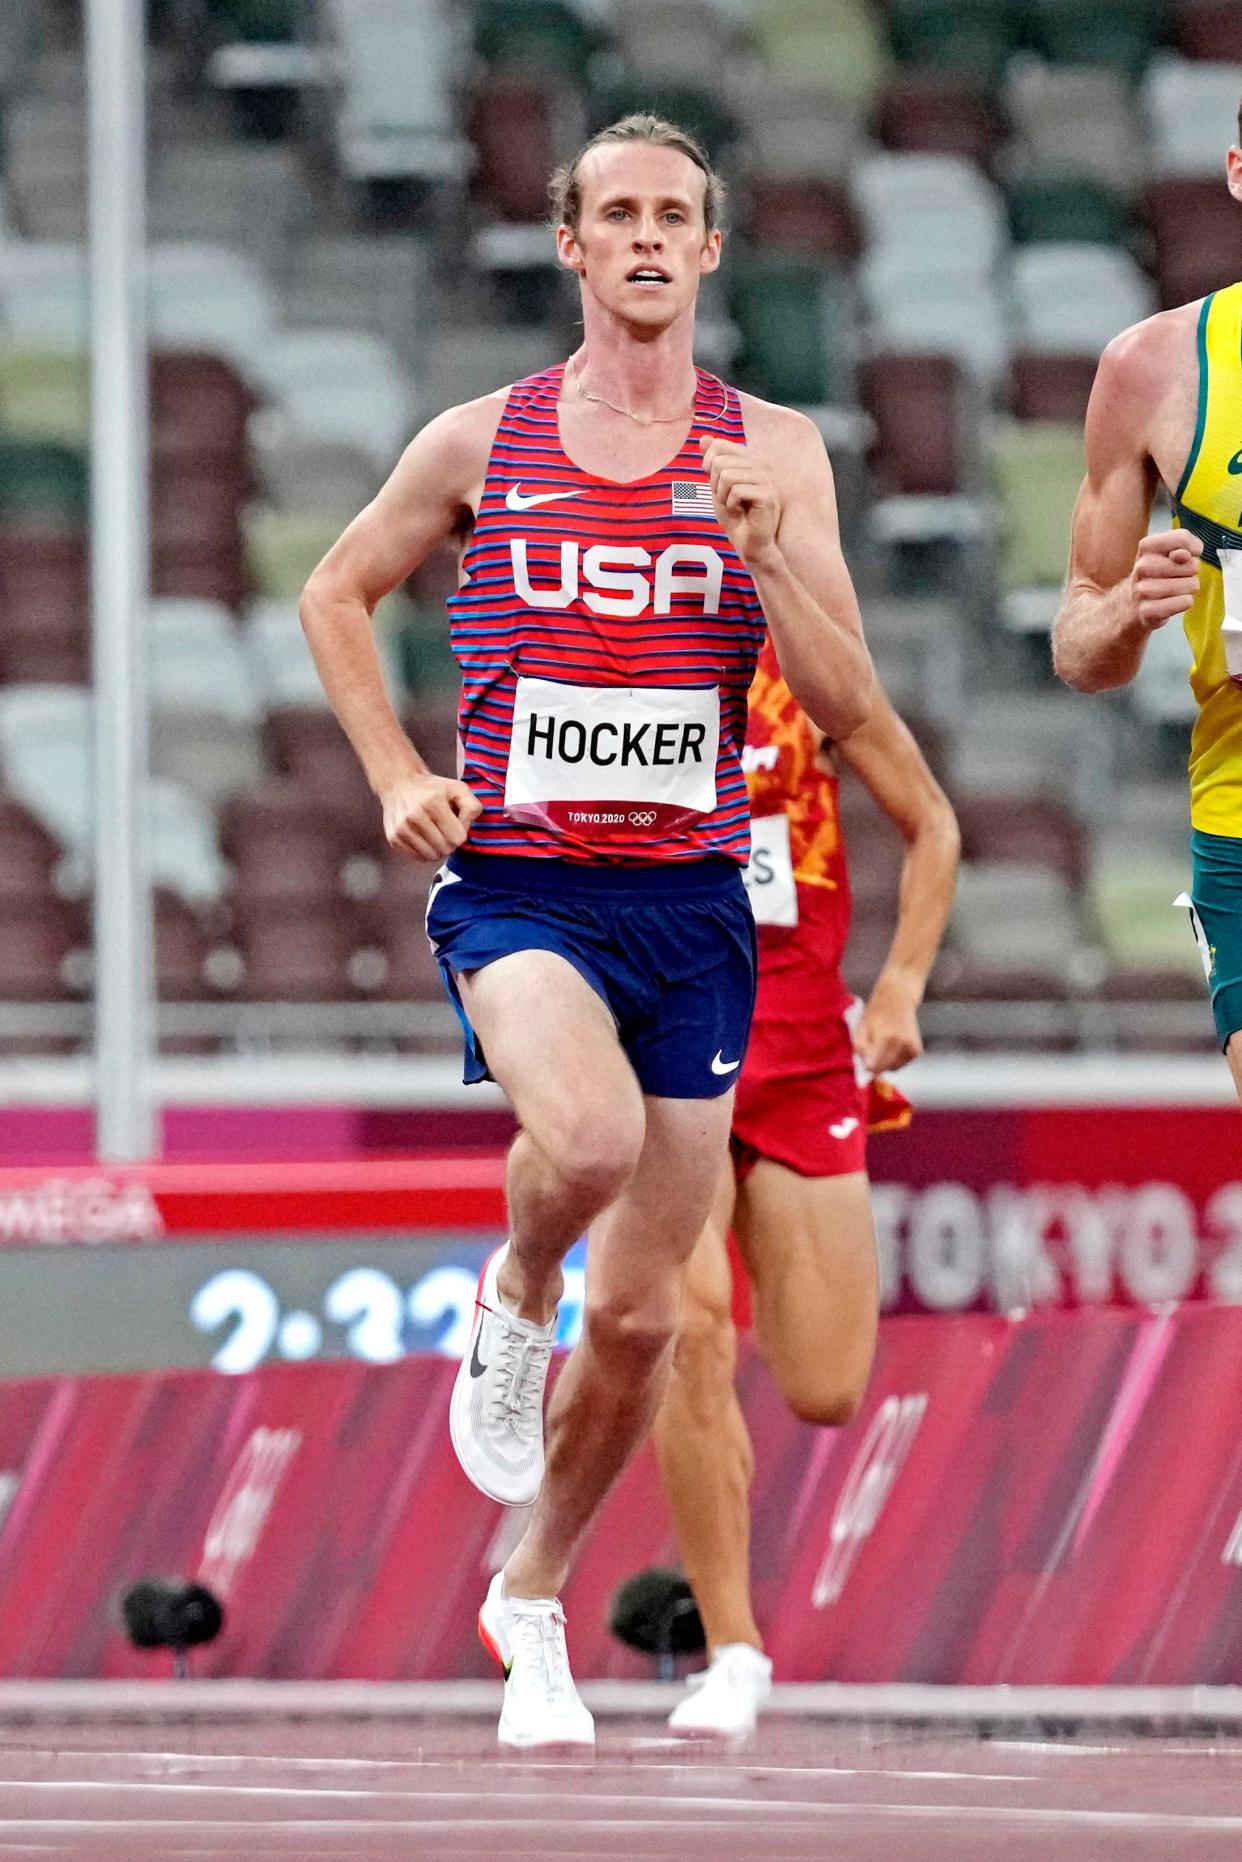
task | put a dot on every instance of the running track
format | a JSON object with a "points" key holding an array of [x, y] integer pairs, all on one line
{"points": [[377, 1789]]}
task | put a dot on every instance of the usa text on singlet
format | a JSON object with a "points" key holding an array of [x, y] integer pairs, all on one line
{"points": [[607, 633]]}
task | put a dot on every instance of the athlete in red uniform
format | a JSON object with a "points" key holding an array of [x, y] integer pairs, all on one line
{"points": [[627, 527], [797, 1197]]}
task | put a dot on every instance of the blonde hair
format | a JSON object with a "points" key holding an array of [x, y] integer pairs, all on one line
{"points": [[565, 188]]}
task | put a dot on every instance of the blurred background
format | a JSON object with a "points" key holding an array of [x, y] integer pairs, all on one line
{"points": [[940, 212]]}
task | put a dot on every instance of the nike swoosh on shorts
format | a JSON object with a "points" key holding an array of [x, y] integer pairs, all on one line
{"points": [[720, 1065], [514, 501]]}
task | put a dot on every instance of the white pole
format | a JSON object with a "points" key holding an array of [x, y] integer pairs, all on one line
{"points": [[125, 1124]]}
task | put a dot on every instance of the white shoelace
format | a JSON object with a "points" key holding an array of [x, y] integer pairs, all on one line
{"points": [[539, 1641], [518, 1401]]}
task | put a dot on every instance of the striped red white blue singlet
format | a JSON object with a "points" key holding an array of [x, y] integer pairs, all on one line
{"points": [[607, 616]]}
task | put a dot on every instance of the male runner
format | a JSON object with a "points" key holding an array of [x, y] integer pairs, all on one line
{"points": [[796, 1195], [1167, 407], [628, 526]]}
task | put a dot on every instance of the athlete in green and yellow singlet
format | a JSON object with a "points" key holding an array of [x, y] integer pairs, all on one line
{"points": [[1167, 407]]}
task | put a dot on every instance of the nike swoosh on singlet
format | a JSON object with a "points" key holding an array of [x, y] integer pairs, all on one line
{"points": [[1235, 464], [514, 501]]}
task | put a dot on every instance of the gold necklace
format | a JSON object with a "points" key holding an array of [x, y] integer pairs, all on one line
{"points": [[640, 420]]}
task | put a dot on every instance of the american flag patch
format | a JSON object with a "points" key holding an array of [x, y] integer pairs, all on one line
{"points": [[691, 495]]}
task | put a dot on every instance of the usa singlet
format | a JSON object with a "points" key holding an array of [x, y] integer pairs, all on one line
{"points": [[1209, 502], [607, 633]]}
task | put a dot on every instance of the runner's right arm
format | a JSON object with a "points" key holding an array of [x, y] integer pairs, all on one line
{"points": [[885, 757], [1122, 584], [425, 501]]}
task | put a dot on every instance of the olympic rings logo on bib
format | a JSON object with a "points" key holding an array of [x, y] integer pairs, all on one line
{"points": [[611, 759]]}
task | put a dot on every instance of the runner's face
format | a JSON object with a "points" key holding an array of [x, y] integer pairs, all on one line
{"points": [[642, 213]]}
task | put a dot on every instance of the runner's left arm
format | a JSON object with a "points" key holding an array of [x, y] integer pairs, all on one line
{"points": [[885, 757], [777, 502]]}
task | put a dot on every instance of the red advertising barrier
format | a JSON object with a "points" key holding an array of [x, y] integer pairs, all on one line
{"points": [[1054, 1500]]}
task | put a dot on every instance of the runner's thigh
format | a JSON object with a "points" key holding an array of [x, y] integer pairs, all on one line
{"points": [[551, 1043], [809, 1248], [640, 1245]]}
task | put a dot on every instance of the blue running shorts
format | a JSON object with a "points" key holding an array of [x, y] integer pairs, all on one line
{"points": [[670, 949], [1216, 890]]}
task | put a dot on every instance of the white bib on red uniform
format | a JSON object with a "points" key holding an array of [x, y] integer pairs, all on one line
{"points": [[612, 758]]}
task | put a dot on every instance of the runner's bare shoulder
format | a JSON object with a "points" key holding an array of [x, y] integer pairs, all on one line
{"points": [[451, 452]]}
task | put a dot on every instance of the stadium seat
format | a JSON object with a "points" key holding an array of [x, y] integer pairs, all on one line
{"points": [[970, 39], [342, 386], [200, 405], [282, 547], [926, 113], [1039, 467], [258, 22], [1156, 1011], [1006, 912], [296, 474], [45, 394], [182, 846], [1020, 743], [794, 128], [1052, 387], [35, 952], [29, 855], [310, 746], [928, 213], [980, 1004], [1074, 122], [205, 708], [39, 478], [917, 406], [1119, 35], [208, 297], [1192, 107], [1031, 830], [540, 37], [1198, 237], [181, 950], [694, 106], [792, 319], [276, 647], [398, 66], [831, 42], [281, 845], [1063, 209], [940, 312], [676, 43], [43, 294], [1073, 299], [1209, 29], [801, 218], [298, 953], [514, 135], [45, 747], [1132, 898]]}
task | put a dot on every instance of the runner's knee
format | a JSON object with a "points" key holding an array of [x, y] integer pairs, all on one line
{"points": [[630, 1335], [594, 1152], [826, 1400], [705, 1356]]}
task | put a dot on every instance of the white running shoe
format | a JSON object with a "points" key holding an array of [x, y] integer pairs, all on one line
{"points": [[724, 1701], [496, 1411], [527, 1637]]}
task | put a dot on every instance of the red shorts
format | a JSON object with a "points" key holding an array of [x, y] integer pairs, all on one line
{"points": [[799, 1099]]}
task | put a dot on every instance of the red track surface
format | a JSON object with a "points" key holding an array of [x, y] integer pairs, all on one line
{"points": [[317, 1791]]}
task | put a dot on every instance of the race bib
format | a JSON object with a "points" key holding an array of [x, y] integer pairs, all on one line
{"points": [[770, 876], [1231, 626], [592, 759]]}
